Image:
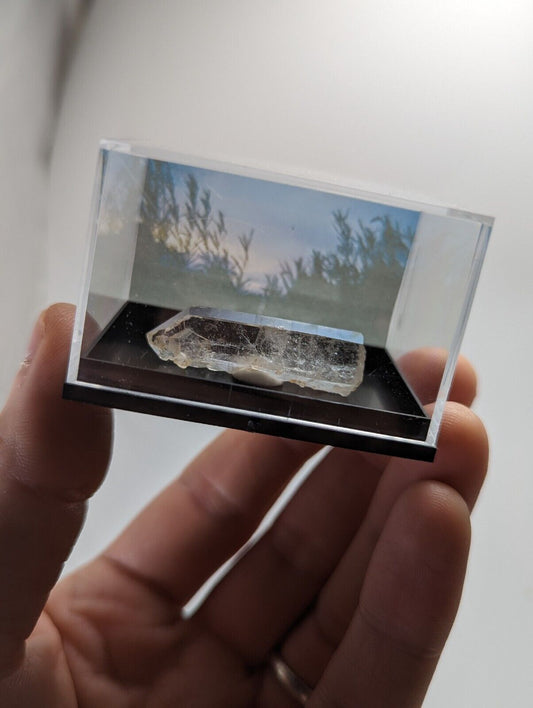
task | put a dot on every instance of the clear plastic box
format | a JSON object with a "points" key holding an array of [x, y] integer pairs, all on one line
{"points": [[171, 232]]}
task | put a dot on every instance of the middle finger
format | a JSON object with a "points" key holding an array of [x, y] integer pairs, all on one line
{"points": [[270, 587]]}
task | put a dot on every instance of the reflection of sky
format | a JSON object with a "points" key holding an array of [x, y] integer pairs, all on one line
{"points": [[288, 221]]}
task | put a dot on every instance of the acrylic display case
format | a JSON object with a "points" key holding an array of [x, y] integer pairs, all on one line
{"points": [[232, 296]]}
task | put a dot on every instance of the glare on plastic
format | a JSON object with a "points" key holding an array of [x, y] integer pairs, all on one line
{"points": [[170, 232]]}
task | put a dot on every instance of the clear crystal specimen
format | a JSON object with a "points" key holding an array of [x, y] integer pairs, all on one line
{"points": [[265, 351]]}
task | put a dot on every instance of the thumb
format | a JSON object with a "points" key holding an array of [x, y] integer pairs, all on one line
{"points": [[53, 456]]}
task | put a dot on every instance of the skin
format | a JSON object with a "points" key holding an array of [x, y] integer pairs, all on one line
{"points": [[356, 584]]}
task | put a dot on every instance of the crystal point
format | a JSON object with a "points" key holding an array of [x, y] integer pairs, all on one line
{"points": [[264, 351]]}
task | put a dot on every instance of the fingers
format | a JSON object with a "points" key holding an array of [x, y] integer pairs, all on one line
{"points": [[212, 509], [276, 581], [270, 588], [460, 464], [423, 369], [208, 512], [407, 605], [53, 455]]}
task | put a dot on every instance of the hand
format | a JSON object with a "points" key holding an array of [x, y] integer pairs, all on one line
{"points": [[355, 586]]}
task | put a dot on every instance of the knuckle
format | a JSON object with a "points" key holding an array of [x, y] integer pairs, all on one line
{"points": [[397, 638], [330, 622], [300, 549], [213, 498]]}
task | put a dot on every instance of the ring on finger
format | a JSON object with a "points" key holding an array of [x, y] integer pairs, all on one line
{"points": [[296, 687]]}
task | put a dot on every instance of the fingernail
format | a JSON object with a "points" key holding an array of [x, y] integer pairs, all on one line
{"points": [[35, 340]]}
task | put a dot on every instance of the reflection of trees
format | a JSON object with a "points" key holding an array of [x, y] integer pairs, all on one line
{"points": [[194, 233], [353, 286], [360, 253], [185, 253]]}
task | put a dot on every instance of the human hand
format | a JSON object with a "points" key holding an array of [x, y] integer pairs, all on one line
{"points": [[355, 586]]}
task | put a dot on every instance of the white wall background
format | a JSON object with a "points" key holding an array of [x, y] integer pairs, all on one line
{"points": [[429, 100]]}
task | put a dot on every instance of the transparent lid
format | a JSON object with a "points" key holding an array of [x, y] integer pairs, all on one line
{"points": [[320, 312]]}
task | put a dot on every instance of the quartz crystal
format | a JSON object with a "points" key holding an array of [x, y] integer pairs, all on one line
{"points": [[264, 351]]}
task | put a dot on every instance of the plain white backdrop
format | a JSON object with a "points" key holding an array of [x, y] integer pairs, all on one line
{"points": [[432, 101]]}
